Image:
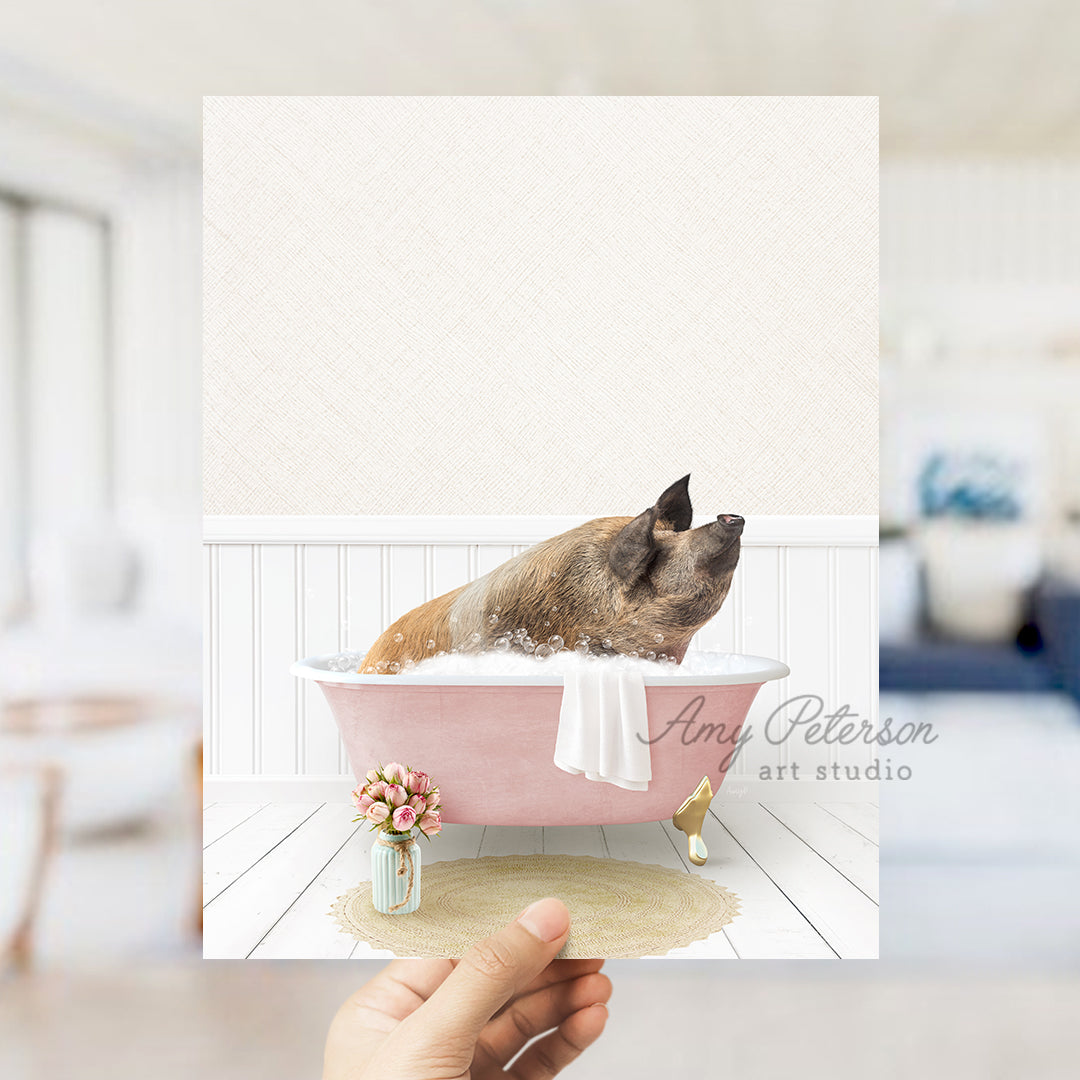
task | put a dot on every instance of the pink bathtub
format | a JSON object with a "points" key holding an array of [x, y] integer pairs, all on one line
{"points": [[503, 727]]}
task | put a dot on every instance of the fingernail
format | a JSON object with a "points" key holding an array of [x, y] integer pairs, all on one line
{"points": [[547, 919]]}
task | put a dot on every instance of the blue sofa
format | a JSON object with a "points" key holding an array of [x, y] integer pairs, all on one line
{"points": [[1046, 660]]}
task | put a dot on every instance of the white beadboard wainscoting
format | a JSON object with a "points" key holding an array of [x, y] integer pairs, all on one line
{"points": [[279, 588]]}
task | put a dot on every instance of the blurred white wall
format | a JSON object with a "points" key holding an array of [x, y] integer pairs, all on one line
{"points": [[980, 279], [99, 510], [99, 381]]}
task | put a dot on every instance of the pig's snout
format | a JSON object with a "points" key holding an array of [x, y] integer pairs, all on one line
{"points": [[732, 523]]}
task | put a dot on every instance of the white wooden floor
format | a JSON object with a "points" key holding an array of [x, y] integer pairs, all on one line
{"points": [[807, 875]]}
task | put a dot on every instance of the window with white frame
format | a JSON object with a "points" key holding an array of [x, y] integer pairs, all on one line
{"points": [[56, 426]]}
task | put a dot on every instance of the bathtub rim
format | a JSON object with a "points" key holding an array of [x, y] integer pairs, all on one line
{"points": [[315, 669]]}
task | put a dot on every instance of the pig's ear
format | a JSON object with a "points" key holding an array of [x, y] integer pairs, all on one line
{"points": [[634, 548], [673, 507]]}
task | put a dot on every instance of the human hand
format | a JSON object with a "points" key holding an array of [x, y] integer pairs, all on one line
{"points": [[447, 1019]]}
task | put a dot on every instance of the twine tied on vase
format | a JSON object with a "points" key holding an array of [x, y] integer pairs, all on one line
{"points": [[404, 857]]}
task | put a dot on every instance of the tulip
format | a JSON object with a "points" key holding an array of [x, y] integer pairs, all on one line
{"points": [[395, 773], [372, 776], [431, 824], [418, 782], [376, 790], [378, 812], [417, 803], [404, 818], [396, 795], [363, 803]]}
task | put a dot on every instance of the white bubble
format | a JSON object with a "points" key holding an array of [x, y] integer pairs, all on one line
{"points": [[650, 656], [475, 638], [431, 643], [493, 619], [513, 661], [502, 645], [556, 642], [607, 643], [542, 652], [395, 667], [399, 637], [658, 638]]}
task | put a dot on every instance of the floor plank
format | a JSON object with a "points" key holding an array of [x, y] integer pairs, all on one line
{"points": [[768, 925], [307, 931], [224, 817], [646, 842], [575, 840], [512, 840], [454, 842], [839, 845], [240, 916], [860, 816], [240, 849], [845, 917]]}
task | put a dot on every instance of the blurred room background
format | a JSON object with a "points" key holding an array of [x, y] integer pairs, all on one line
{"points": [[99, 513], [99, 484], [980, 550]]}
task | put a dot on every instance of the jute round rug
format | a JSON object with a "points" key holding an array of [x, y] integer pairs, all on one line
{"points": [[620, 910]]}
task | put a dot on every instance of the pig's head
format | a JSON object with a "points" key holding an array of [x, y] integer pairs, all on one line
{"points": [[642, 585], [673, 579]]}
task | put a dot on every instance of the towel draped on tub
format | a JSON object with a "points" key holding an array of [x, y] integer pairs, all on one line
{"points": [[603, 713]]}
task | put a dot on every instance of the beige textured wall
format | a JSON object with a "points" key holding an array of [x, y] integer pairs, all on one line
{"points": [[540, 305]]}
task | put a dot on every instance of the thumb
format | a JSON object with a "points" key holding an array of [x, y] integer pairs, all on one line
{"points": [[490, 974]]}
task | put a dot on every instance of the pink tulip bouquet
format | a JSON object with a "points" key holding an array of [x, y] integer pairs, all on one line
{"points": [[397, 798]]}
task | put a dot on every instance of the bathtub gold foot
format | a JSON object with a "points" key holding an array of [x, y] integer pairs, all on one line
{"points": [[690, 817]]}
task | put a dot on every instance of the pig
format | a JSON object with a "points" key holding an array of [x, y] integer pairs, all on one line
{"points": [[637, 585]]}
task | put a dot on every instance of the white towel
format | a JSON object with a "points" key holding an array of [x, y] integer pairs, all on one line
{"points": [[603, 712]]}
